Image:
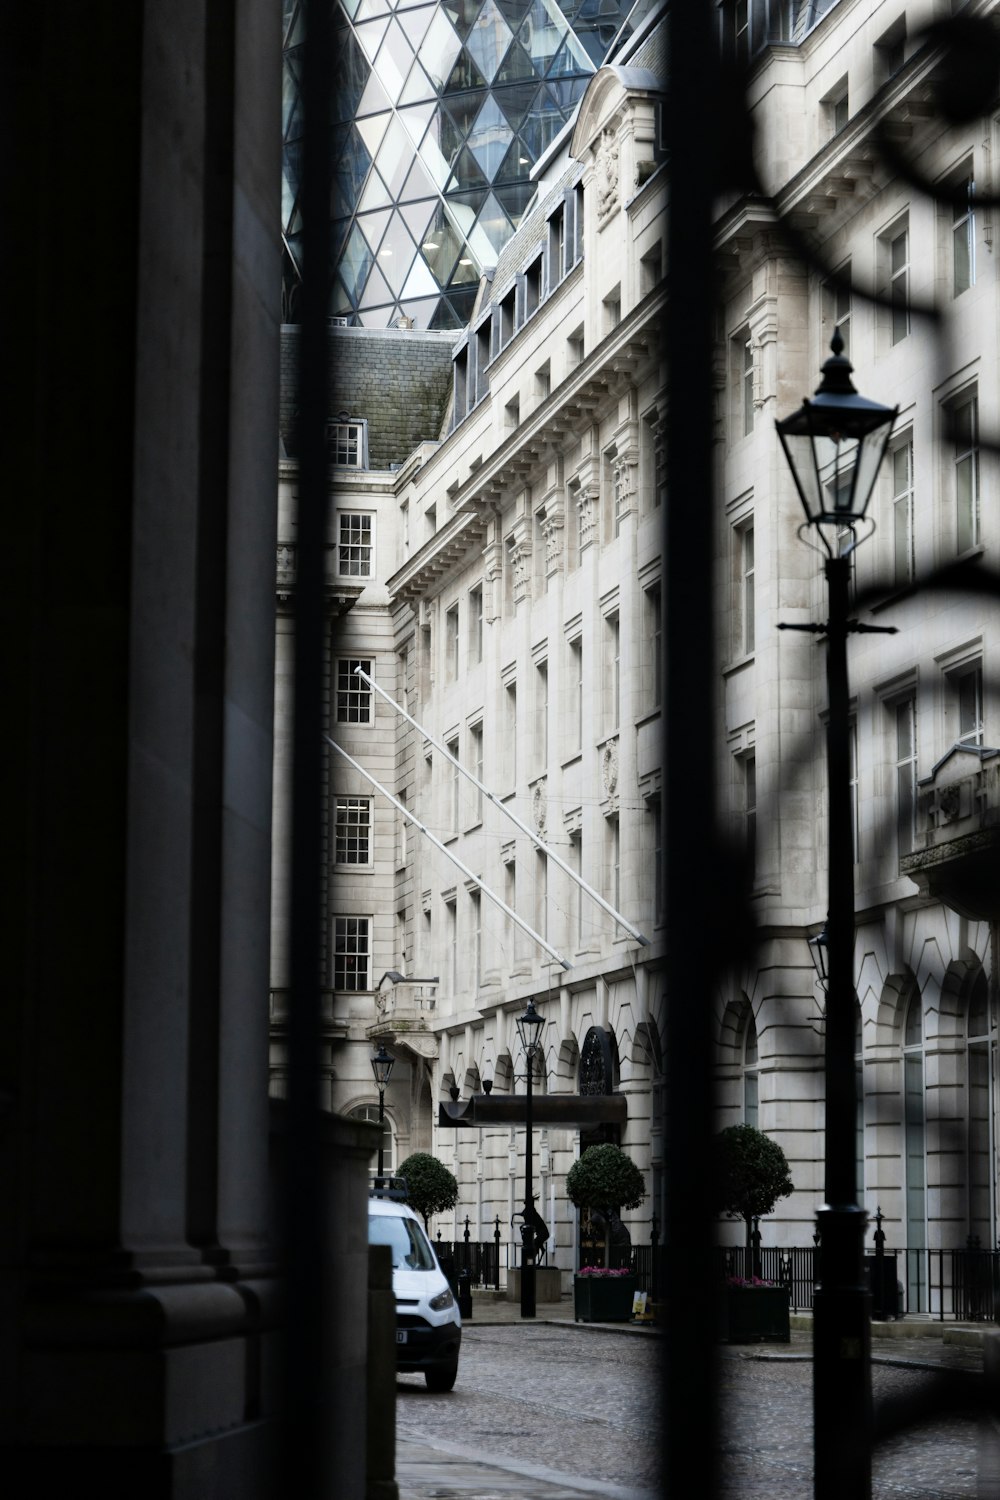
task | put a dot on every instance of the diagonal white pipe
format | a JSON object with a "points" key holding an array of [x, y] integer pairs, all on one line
{"points": [[538, 842], [446, 851]]}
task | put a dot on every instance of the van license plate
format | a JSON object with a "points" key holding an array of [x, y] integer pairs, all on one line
{"points": [[400, 1335]]}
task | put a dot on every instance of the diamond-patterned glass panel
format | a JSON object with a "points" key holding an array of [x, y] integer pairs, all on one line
{"points": [[447, 99]]}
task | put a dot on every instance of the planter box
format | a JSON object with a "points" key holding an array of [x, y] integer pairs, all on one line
{"points": [[603, 1299], [755, 1314]]}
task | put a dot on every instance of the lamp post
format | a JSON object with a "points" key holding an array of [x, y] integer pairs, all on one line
{"points": [[382, 1064], [529, 1029], [834, 445]]}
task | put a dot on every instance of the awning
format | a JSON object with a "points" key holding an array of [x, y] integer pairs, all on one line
{"points": [[583, 1110]]}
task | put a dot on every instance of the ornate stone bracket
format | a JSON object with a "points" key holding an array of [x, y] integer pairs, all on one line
{"points": [[551, 519], [519, 559], [606, 168], [588, 509]]}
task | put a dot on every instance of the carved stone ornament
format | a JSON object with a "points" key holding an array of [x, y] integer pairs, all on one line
{"points": [[539, 808], [607, 176], [609, 767], [597, 1074]]}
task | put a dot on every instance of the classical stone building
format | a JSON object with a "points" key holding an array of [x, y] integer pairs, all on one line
{"points": [[829, 111], [497, 572]]}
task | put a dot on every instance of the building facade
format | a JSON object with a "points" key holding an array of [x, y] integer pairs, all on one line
{"points": [[500, 583], [853, 159]]}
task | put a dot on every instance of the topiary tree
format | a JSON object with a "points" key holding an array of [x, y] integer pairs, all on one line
{"points": [[751, 1174], [607, 1180], [430, 1187]]}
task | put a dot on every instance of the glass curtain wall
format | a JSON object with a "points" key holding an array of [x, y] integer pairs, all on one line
{"points": [[441, 110]]}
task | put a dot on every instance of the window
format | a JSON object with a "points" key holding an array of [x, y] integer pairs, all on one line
{"points": [[345, 442], [743, 366], [750, 1073], [451, 643], [352, 831], [354, 545], [963, 236], [838, 304], [654, 639], [510, 731], [578, 221], [837, 107], [542, 714], [612, 672], [894, 251], [964, 428], [612, 309], [451, 943], [475, 624], [902, 513], [852, 753], [512, 413], [979, 1049], [744, 613], [612, 833], [476, 748], [454, 785], [890, 51], [906, 773], [574, 349], [476, 923], [541, 894], [350, 953], [532, 287], [557, 245], [575, 862], [507, 311], [966, 686], [460, 368], [482, 359], [575, 694], [914, 1138], [750, 811], [543, 382], [354, 696], [651, 269]]}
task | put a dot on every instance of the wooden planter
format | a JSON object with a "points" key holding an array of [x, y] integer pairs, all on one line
{"points": [[755, 1314], [603, 1299]]}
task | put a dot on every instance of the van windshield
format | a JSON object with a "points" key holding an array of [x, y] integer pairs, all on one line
{"points": [[405, 1239]]}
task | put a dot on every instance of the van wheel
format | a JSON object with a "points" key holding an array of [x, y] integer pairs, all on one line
{"points": [[442, 1378]]}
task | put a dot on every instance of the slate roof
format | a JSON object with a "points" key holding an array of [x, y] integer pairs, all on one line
{"points": [[400, 380]]}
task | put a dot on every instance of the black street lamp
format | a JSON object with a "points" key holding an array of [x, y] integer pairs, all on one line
{"points": [[382, 1064], [529, 1029], [834, 445]]}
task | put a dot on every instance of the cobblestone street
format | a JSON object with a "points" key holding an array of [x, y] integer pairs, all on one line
{"points": [[557, 1412]]}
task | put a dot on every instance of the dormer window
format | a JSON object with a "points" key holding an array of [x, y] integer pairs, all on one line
{"points": [[347, 442]]}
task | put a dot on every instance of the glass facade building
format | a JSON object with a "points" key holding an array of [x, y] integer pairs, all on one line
{"points": [[441, 111]]}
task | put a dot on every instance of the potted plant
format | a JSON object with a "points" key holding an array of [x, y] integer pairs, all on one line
{"points": [[751, 1174], [607, 1180]]}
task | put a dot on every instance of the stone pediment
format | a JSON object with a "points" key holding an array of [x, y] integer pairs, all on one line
{"points": [[956, 852]]}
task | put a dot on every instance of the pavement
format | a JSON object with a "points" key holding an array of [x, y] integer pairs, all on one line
{"points": [[432, 1467]]}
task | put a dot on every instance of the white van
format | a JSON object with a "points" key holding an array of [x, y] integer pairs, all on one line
{"points": [[428, 1323]]}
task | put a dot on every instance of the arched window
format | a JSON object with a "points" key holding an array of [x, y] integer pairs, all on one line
{"points": [[859, 1150], [370, 1112], [979, 1042], [914, 1120], [751, 1094]]}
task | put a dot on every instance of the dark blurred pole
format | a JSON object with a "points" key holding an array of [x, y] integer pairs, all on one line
{"points": [[307, 1330], [694, 911], [842, 1397]]}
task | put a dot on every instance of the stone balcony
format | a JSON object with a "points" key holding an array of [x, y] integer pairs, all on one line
{"points": [[956, 848], [403, 1016]]}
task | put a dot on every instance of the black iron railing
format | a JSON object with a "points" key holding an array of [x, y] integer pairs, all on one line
{"points": [[960, 1285]]}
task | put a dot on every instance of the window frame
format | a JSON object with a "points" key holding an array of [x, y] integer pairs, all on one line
{"points": [[347, 435], [348, 802], [343, 919], [355, 690], [365, 564]]}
